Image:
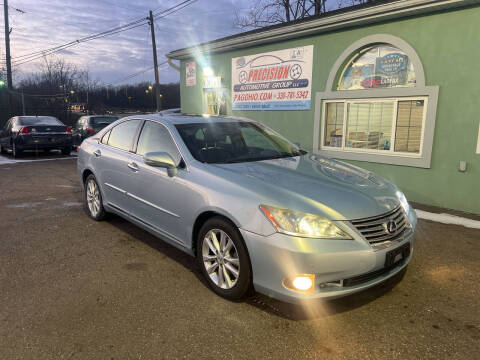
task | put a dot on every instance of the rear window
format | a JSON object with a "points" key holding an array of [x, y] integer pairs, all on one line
{"points": [[102, 120], [121, 136], [40, 120]]}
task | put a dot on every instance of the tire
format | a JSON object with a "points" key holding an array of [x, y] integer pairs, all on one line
{"points": [[222, 279], [96, 212], [66, 151], [15, 151], [2, 150]]}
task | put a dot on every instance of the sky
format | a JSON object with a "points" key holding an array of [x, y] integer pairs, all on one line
{"points": [[48, 23]]}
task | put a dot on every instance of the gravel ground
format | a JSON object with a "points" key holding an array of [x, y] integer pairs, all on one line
{"points": [[72, 288]]}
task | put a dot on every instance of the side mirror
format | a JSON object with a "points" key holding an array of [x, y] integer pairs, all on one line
{"points": [[161, 160]]}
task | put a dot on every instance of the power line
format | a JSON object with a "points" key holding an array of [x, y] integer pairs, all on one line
{"points": [[135, 74], [41, 53], [16, 9], [22, 59]]}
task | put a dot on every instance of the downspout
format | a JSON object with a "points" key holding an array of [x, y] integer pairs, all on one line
{"points": [[175, 66]]}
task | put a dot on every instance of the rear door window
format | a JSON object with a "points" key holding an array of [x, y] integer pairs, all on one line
{"points": [[122, 135]]}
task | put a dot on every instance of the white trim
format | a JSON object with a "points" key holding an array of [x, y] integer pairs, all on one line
{"points": [[355, 17], [430, 92], [478, 140], [391, 151], [372, 40], [420, 90]]}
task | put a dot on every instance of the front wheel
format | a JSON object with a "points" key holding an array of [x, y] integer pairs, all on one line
{"points": [[224, 260], [93, 199]]}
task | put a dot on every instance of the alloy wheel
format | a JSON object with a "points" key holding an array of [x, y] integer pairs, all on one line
{"points": [[93, 197], [220, 258]]}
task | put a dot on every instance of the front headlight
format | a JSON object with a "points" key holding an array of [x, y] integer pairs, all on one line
{"points": [[403, 201], [301, 224]]}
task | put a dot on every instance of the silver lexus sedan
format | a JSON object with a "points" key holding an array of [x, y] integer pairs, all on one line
{"points": [[256, 211]]}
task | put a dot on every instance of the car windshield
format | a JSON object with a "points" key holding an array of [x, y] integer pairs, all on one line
{"points": [[102, 121], [40, 120], [231, 142]]}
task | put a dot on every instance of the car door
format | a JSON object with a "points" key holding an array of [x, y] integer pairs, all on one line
{"points": [[160, 199], [112, 159]]}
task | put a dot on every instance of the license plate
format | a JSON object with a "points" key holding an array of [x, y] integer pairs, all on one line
{"points": [[394, 256]]}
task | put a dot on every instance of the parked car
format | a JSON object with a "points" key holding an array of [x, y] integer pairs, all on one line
{"points": [[255, 209], [89, 125], [35, 133], [171, 111]]}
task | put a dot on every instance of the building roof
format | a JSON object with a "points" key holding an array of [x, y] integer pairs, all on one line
{"points": [[333, 20]]}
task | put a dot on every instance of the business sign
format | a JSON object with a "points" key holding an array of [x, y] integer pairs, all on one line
{"points": [[277, 80], [390, 71], [190, 74]]}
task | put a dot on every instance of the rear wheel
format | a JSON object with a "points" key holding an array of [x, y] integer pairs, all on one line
{"points": [[66, 151], [93, 204], [223, 258], [16, 152]]}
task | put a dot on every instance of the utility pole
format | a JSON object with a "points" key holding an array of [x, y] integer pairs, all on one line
{"points": [[155, 63], [23, 104], [7, 45], [7, 55]]}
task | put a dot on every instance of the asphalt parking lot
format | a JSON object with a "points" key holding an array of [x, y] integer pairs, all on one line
{"points": [[72, 288]]}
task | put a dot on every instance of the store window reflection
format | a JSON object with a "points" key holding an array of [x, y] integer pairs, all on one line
{"points": [[379, 66]]}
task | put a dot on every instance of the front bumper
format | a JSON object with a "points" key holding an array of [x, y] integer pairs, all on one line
{"points": [[341, 267]]}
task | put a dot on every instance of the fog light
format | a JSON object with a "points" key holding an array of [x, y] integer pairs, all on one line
{"points": [[301, 282]]}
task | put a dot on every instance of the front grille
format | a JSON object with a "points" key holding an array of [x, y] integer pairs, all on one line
{"points": [[375, 229]]}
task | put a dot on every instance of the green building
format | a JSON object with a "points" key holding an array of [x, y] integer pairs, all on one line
{"points": [[391, 87]]}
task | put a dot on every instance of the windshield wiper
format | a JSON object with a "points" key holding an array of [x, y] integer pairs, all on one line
{"points": [[262, 158]]}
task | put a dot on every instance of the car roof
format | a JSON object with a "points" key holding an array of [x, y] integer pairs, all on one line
{"points": [[94, 116], [35, 117], [187, 119]]}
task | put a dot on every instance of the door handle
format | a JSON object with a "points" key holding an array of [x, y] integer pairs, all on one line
{"points": [[97, 153], [133, 166]]}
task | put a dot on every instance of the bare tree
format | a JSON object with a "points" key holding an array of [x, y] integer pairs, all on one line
{"points": [[346, 3], [50, 90], [269, 12], [55, 75]]}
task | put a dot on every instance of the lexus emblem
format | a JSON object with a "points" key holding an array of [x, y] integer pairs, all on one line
{"points": [[390, 227]]}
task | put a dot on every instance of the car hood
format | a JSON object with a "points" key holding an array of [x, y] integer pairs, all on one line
{"points": [[315, 184]]}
